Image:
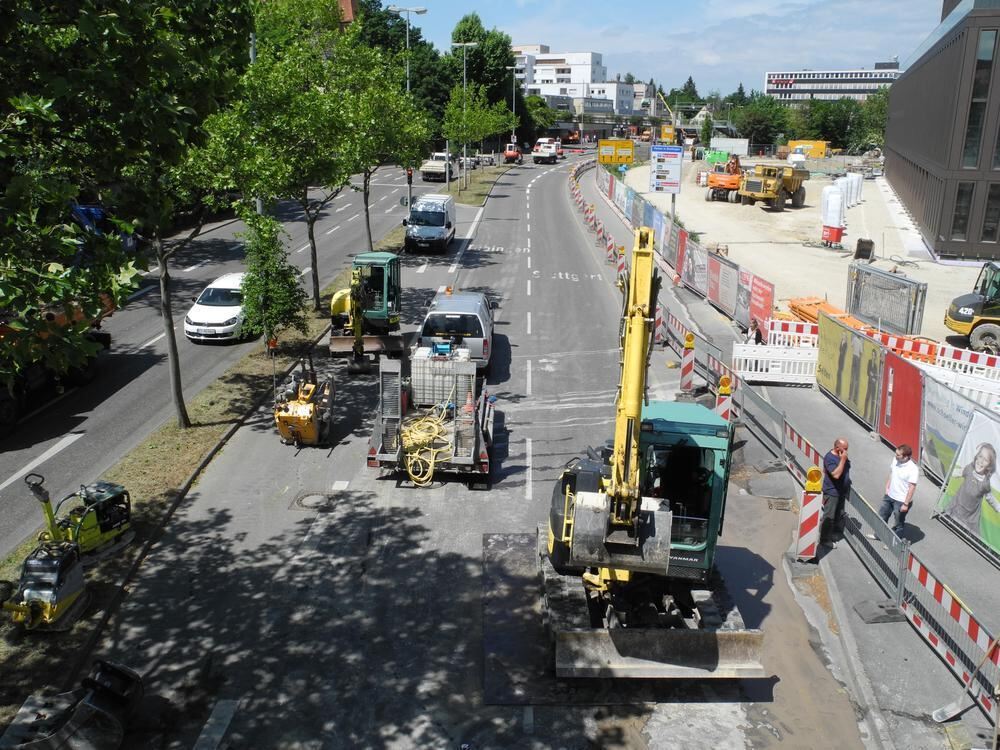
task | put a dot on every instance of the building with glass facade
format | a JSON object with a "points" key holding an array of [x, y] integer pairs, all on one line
{"points": [[796, 86], [942, 141]]}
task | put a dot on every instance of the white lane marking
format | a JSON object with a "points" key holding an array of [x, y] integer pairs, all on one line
{"points": [[389, 210], [153, 340], [304, 247], [340, 485], [218, 723], [527, 380], [308, 270], [331, 231], [423, 267], [527, 215], [527, 244], [394, 191], [355, 216], [529, 227], [529, 261], [136, 295], [529, 324], [66, 442], [529, 287], [382, 198], [527, 471], [472, 233], [343, 208], [196, 265]]}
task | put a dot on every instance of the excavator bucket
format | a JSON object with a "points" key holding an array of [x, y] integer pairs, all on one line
{"points": [[595, 544]]}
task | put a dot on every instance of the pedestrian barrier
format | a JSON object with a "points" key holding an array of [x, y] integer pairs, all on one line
{"points": [[774, 364], [687, 364], [984, 391], [724, 399], [797, 453], [788, 333], [658, 333], [810, 516], [968, 362]]}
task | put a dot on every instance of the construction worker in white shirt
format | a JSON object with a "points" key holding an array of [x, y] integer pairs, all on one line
{"points": [[899, 488]]}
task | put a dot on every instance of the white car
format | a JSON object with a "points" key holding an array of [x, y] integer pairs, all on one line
{"points": [[217, 314]]}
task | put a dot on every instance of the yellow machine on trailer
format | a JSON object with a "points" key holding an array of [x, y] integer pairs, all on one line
{"points": [[303, 408], [628, 567]]}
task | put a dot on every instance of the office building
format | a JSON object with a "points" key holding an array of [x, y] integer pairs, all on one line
{"points": [[576, 75], [942, 141], [796, 86]]}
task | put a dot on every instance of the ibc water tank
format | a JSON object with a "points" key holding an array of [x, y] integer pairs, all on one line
{"points": [[833, 206]]}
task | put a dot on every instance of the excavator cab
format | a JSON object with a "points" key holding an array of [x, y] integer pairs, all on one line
{"points": [[364, 317]]}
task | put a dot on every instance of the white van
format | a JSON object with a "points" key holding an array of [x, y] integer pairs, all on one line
{"points": [[431, 223], [545, 150], [462, 319]]}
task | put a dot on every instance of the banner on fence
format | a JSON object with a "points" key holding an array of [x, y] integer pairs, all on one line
{"points": [[621, 193], [723, 284], [849, 368], [682, 241], [971, 496], [761, 300], [647, 213], [694, 272], [638, 208], [899, 410], [629, 200], [673, 242], [610, 187], [659, 241], [743, 289], [946, 416], [603, 180]]}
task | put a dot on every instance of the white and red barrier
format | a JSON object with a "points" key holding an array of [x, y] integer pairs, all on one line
{"points": [[967, 361], [926, 350], [621, 260], [687, 364], [810, 516], [806, 450], [789, 333], [967, 626], [658, 332], [611, 249], [724, 399]]}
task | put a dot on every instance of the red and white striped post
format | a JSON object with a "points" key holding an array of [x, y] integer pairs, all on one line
{"points": [[611, 250], [724, 400], [621, 261], [658, 330], [687, 364], [600, 233], [810, 515]]}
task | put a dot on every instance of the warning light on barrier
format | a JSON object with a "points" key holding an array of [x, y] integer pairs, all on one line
{"points": [[689, 341], [814, 479], [725, 384]]}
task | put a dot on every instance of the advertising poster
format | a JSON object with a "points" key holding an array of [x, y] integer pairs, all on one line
{"points": [[603, 179], [638, 208], [946, 417], [611, 186], [902, 396], [665, 168], [672, 242], [659, 241], [743, 289], [970, 499], [723, 280], [620, 193], [629, 201], [682, 237], [694, 272], [761, 300], [647, 214], [849, 368]]}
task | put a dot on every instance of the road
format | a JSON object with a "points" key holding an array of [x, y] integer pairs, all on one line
{"points": [[74, 439], [299, 599]]}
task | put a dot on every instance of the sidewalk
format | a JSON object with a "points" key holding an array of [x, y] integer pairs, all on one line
{"points": [[907, 678]]}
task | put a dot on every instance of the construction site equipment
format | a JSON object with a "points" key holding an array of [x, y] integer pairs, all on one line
{"points": [[774, 186], [98, 519], [977, 314], [810, 149], [51, 594], [724, 183], [628, 571], [92, 717], [364, 317], [303, 406], [429, 420]]}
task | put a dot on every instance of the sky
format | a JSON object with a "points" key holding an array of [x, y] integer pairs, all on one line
{"points": [[719, 43]]}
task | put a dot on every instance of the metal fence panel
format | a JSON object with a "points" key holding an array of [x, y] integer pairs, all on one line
{"points": [[886, 300], [762, 419]]}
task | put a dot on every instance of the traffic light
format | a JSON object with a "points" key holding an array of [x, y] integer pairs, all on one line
{"points": [[409, 175]]}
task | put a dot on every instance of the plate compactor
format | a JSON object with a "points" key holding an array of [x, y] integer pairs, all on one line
{"points": [[52, 593], [302, 408]]}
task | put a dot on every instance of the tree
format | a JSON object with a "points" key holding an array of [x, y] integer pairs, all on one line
{"points": [[761, 119], [469, 118], [707, 128], [100, 102], [273, 299], [629, 78], [540, 115], [487, 62], [738, 98], [690, 90], [874, 115], [636, 121]]}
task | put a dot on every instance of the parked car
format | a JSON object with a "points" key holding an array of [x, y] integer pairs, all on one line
{"points": [[460, 319], [217, 313], [468, 162], [512, 154]]}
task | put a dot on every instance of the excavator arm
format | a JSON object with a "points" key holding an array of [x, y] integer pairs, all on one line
{"points": [[616, 527]]}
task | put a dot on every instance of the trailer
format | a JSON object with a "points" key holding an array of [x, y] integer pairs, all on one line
{"points": [[430, 420]]}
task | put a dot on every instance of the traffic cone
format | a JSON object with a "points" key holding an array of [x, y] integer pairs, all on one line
{"points": [[469, 406]]}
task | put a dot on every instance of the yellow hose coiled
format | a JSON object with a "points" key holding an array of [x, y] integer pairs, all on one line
{"points": [[425, 442]]}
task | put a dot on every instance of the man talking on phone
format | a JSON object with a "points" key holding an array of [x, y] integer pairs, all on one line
{"points": [[836, 487]]}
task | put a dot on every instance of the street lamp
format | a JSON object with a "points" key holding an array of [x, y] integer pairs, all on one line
{"points": [[465, 85], [400, 11], [513, 102]]}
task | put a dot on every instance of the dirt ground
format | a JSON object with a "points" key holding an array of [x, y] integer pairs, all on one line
{"points": [[770, 243]]}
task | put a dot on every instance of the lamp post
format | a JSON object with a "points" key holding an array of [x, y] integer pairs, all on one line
{"points": [[400, 11], [465, 96], [513, 102]]}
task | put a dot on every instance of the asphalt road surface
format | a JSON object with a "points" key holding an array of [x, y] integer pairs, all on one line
{"points": [[73, 439], [301, 600]]}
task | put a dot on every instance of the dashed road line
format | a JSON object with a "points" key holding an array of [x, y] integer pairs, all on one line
{"points": [[66, 442], [528, 327], [217, 725], [308, 270], [529, 287], [527, 380], [343, 208], [304, 247], [152, 341], [355, 216], [331, 231]]}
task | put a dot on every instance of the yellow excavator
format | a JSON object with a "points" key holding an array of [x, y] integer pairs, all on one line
{"points": [[629, 572]]}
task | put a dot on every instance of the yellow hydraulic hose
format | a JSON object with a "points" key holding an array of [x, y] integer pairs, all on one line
{"points": [[425, 442]]}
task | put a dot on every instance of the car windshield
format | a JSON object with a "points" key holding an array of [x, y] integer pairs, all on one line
{"points": [[447, 325], [216, 296], [427, 218]]}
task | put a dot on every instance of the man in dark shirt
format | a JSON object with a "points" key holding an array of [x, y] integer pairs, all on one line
{"points": [[836, 487]]}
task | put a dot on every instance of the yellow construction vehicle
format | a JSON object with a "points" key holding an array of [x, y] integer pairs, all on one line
{"points": [[99, 520], [628, 573], [774, 186], [303, 407]]}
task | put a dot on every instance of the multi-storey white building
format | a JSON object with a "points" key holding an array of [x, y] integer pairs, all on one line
{"points": [[578, 75], [793, 87]]}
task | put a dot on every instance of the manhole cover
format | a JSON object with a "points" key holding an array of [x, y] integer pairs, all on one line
{"points": [[312, 501]]}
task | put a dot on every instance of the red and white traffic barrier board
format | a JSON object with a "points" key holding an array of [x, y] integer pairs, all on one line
{"points": [[674, 324], [724, 402], [903, 344], [658, 332], [687, 369], [810, 515], [611, 249], [805, 448], [970, 362], [799, 327], [621, 260]]}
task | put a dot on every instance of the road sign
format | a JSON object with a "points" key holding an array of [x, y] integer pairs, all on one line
{"points": [[667, 133], [615, 151], [665, 169]]}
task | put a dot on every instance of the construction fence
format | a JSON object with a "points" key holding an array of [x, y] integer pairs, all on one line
{"points": [[896, 396]]}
